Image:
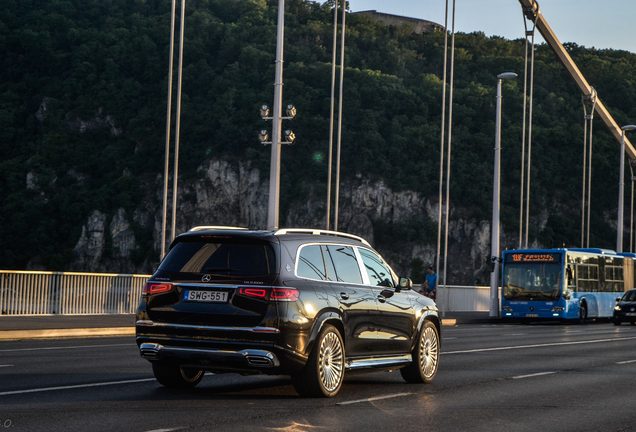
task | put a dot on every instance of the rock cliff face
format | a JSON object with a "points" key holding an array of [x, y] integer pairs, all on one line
{"points": [[237, 195]]}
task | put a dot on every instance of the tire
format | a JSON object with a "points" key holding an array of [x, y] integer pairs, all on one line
{"points": [[616, 321], [425, 357], [176, 376], [323, 373], [582, 313]]}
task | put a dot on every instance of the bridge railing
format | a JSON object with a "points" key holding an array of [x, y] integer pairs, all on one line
{"points": [[66, 293]]}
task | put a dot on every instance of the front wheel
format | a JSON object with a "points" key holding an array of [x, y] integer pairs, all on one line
{"points": [[176, 376], [323, 373], [425, 357]]}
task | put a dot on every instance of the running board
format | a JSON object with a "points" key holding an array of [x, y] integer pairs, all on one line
{"points": [[377, 362]]}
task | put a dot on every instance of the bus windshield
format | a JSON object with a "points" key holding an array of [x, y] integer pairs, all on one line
{"points": [[532, 281]]}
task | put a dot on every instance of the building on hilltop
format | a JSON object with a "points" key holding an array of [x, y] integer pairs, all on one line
{"points": [[419, 25]]}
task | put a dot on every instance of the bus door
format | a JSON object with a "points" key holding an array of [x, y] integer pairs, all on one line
{"points": [[628, 274]]}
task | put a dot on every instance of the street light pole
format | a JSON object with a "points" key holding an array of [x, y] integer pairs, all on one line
{"points": [[494, 286], [274, 173], [621, 187]]}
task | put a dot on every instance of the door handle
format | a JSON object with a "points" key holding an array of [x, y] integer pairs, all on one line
{"points": [[344, 296], [381, 299]]}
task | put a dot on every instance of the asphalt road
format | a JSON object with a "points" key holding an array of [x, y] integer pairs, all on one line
{"points": [[540, 377]]}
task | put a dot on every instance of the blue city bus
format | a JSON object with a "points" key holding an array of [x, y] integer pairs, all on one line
{"points": [[572, 284]]}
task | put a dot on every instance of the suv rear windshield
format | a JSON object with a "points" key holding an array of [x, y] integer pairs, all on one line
{"points": [[231, 257]]}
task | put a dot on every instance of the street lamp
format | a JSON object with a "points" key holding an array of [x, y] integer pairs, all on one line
{"points": [[494, 287], [621, 186]]}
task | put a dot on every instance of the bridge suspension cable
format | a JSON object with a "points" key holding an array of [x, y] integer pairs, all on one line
{"points": [[524, 216]]}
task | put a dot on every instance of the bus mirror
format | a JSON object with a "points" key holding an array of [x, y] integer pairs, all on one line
{"points": [[567, 294], [570, 274]]}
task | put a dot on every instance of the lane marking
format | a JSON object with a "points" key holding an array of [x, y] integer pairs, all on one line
{"points": [[538, 345], [371, 399], [165, 430], [533, 375], [74, 386], [626, 362], [65, 347], [6, 365]]}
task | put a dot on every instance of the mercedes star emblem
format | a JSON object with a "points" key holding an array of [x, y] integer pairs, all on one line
{"points": [[206, 278]]}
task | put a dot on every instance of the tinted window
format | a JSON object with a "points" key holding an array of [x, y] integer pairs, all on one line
{"points": [[227, 258], [378, 271], [629, 296], [311, 264], [345, 263]]}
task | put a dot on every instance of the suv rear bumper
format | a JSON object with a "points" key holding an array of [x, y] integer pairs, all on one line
{"points": [[249, 350]]}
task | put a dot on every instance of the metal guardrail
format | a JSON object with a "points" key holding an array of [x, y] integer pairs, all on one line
{"points": [[66, 293]]}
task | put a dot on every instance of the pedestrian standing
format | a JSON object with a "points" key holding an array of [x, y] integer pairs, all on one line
{"points": [[431, 284]]}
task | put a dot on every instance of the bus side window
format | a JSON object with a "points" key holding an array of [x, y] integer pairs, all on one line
{"points": [[570, 276]]}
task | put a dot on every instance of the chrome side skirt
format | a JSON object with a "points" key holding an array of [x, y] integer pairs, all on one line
{"points": [[378, 362]]}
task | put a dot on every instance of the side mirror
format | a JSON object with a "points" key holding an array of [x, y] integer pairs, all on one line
{"points": [[618, 299], [567, 294], [406, 283]]}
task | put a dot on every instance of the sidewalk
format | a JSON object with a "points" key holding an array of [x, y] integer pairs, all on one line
{"points": [[61, 326]]}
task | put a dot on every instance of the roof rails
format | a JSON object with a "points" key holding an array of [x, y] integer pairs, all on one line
{"points": [[320, 232], [212, 227]]}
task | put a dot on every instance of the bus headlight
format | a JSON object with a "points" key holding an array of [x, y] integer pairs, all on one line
{"points": [[558, 309], [506, 309]]}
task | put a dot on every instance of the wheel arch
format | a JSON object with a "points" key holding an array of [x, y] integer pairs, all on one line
{"points": [[327, 317], [428, 315]]}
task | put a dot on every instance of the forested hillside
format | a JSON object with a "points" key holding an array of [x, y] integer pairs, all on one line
{"points": [[83, 102]]}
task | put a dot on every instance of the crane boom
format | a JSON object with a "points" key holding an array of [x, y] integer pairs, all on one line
{"points": [[532, 12]]}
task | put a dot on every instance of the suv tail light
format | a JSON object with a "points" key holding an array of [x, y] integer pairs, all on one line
{"points": [[156, 288], [274, 293]]}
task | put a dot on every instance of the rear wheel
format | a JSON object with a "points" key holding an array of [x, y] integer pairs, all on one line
{"points": [[176, 376], [324, 371], [582, 313], [425, 357]]}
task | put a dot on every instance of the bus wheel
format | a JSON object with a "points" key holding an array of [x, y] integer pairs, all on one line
{"points": [[582, 313]]}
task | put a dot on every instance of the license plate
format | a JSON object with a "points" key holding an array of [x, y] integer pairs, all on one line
{"points": [[532, 315], [630, 314], [206, 296]]}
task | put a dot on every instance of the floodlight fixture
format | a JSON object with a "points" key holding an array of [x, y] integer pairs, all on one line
{"points": [[264, 112], [291, 111], [289, 136]]}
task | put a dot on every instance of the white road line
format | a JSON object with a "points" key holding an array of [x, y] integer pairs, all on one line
{"points": [[166, 430], [64, 347], [626, 362], [533, 375], [538, 345], [371, 399], [6, 365], [74, 386]]}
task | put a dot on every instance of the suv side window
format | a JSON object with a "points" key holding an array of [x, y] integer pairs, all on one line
{"points": [[378, 271], [344, 261], [310, 263]]}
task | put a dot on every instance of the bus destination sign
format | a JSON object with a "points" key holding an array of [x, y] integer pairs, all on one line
{"points": [[533, 257]]}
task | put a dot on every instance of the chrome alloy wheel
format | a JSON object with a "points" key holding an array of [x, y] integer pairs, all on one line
{"points": [[330, 362], [429, 352]]}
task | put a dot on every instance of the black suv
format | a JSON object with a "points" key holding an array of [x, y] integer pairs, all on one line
{"points": [[307, 303]]}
